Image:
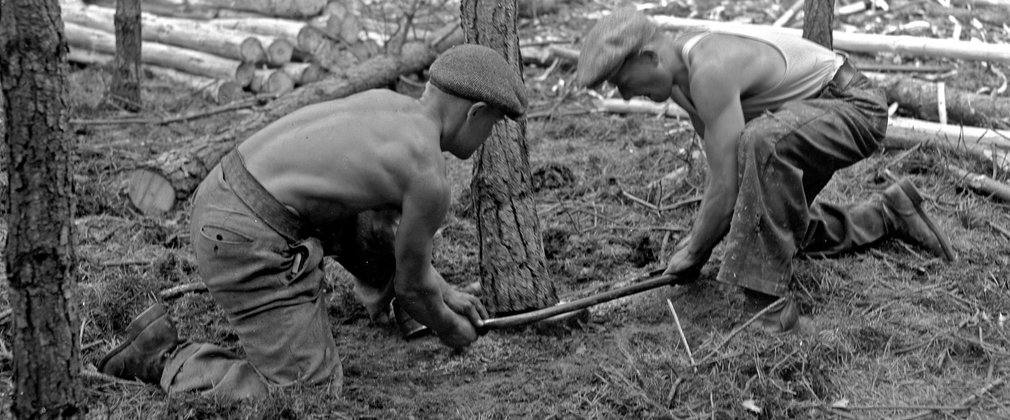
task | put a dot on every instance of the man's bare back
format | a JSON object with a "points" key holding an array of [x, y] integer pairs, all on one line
{"points": [[334, 159]]}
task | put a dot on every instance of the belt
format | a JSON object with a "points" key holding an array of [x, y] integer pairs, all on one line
{"points": [[844, 75], [258, 199]]}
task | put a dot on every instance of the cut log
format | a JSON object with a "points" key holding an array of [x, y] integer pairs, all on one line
{"points": [[303, 73], [189, 61], [347, 26], [278, 8], [920, 99], [280, 28], [185, 167], [332, 55], [314, 73], [274, 81], [279, 51], [951, 133], [178, 32], [220, 91], [981, 183], [150, 192], [898, 138], [867, 43], [641, 106]]}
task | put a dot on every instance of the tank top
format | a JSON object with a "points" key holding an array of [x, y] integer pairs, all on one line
{"points": [[807, 70]]}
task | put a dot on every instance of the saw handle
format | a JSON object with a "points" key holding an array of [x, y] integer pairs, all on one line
{"points": [[542, 314]]}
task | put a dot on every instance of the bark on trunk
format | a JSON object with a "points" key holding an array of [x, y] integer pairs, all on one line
{"points": [[512, 262], [126, 83], [185, 167], [818, 20], [40, 263], [189, 61]]}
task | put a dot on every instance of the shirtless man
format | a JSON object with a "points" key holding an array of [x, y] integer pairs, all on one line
{"points": [[778, 115], [328, 179]]}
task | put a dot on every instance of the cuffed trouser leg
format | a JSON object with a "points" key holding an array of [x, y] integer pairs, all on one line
{"points": [[270, 289], [785, 159]]}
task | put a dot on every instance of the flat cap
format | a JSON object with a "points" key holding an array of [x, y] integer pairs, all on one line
{"points": [[614, 37], [479, 73]]}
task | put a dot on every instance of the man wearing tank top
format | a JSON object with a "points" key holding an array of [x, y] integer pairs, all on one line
{"points": [[778, 115]]}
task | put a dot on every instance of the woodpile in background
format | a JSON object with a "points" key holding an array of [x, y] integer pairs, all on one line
{"points": [[227, 48]]}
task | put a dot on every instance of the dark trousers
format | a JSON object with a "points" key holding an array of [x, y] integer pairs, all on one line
{"points": [[785, 159], [264, 268]]}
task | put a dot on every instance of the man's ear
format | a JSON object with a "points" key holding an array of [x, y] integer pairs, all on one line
{"points": [[476, 109], [650, 56]]}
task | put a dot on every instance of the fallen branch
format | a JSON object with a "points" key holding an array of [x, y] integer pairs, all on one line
{"points": [[981, 183], [680, 329], [182, 289], [247, 103], [789, 13], [866, 43], [774, 305]]}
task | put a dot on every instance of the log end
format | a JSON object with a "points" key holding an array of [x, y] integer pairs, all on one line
{"points": [[252, 51], [151, 192], [279, 52], [244, 74]]}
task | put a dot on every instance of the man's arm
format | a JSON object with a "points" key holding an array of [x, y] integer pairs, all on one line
{"points": [[419, 288], [680, 99], [717, 100]]}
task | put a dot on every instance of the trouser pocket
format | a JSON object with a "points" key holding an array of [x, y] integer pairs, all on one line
{"points": [[306, 256]]}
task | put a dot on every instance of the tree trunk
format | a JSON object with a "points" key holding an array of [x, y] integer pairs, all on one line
{"points": [[818, 20], [40, 261], [512, 262], [183, 168], [126, 81]]}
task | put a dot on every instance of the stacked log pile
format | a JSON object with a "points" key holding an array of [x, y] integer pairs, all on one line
{"points": [[229, 48]]}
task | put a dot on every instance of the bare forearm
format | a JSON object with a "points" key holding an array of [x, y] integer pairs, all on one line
{"points": [[713, 219], [423, 297]]}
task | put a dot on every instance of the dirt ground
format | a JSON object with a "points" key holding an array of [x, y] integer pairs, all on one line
{"points": [[892, 332]]}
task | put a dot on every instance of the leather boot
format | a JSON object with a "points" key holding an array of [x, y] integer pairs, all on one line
{"points": [[150, 338], [903, 207]]}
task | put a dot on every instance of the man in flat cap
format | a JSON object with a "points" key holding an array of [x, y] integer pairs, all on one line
{"points": [[778, 115], [361, 178]]}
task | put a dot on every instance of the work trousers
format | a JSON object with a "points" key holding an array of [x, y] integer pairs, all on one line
{"points": [[265, 271], [786, 158]]}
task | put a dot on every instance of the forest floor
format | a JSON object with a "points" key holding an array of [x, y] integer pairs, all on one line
{"points": [[892, 331]]}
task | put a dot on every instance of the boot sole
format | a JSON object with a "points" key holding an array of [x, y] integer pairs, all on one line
{"points": [[913, 195], [134, 329]]}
